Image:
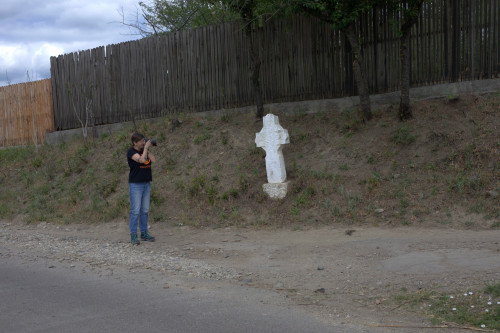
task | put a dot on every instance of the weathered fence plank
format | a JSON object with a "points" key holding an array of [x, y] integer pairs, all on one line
{"points": [[26, 113], [302, 58]]}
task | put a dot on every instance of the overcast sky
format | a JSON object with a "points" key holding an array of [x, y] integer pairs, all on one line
{"points": [[31, 31]]}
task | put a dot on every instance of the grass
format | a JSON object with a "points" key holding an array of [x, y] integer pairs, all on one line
{"points": [[403, 135], [474, 308], [337, 167]]}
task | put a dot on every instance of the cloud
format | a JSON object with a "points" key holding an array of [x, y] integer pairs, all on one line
{"points": [[31, 31]]}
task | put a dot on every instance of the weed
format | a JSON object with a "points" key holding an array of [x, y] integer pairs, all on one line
{"points": [[403, 135], [121, 137], [123, 201], [352, 201], [329, 207], [197, 185], [352, 119], [469, 224], [224, 137], [244, 183], [260, 222], [26, 178], [477, 309], [156, 198], [204, 137], [413, 300], [493, 289], [115, 168], [260, 196], [235, 213], [374, 181], [37, 162], [295, 210], [234, 193], [478, 208], [179, 185], [344, 167], [461, 182], [211, 194], [106, 187], [19, 154], [5, 210], [300, 136], [431, 166], [304, 198], [254, 150]]}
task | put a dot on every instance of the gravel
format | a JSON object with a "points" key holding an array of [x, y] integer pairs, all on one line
{"points": [[104, 254]]}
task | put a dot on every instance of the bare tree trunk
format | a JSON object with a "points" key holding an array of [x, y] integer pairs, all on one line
{"points": [[255, 63], [359, 74], [405, 112], [411, 18]]}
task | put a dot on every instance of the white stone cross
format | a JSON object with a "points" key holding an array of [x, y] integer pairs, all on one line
{"points": [[271, 138]]}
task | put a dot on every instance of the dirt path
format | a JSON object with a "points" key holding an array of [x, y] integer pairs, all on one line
{"points": [[339, 275]]}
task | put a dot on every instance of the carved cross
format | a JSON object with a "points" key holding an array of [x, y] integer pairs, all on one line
{"points": [[271, 138]]}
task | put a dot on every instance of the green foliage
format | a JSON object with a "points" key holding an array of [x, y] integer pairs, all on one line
{"points": [[493, 289], [303, 199], [409, 11], [339, 14], [211, 194], [156, 198], [463, 182], [197, 185], [374, 181], [163, 16], [403, 135], [352, 120], [479, 309], [244, 183], [5, 210], [9, 155], [200, 138]]}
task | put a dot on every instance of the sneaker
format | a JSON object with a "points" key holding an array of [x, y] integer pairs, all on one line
{"points": [[145, 236], [134, 240]]}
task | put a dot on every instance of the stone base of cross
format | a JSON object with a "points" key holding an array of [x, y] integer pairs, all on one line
{"points": [[271, 138], [276, 190]]}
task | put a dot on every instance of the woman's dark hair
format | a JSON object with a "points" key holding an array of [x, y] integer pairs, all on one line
{"points": [[137, 137]]}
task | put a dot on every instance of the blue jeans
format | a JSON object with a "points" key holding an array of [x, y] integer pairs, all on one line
{"points": [[139, 206]]}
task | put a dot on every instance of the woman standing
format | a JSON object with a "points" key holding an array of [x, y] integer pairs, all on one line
{"points": [[139, 182]]}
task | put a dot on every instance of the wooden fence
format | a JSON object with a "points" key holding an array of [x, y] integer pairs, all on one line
{"points": [[302, 59], [26, 113]]}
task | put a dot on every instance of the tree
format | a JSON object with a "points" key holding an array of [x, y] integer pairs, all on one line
{"points": [[407, 12], [251, 12], [162, 16], [342, 15]]}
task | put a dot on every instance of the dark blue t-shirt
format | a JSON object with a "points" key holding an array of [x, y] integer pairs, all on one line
{"points": [[139, 172]]}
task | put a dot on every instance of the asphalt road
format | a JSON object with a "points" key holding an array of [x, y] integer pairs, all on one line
{"points": [[37, 296]]}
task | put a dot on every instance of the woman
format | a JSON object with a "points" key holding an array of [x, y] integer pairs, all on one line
{"points": [[139, 181]]}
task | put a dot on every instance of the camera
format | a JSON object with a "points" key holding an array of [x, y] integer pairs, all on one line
{"points": [[153, 142]]}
